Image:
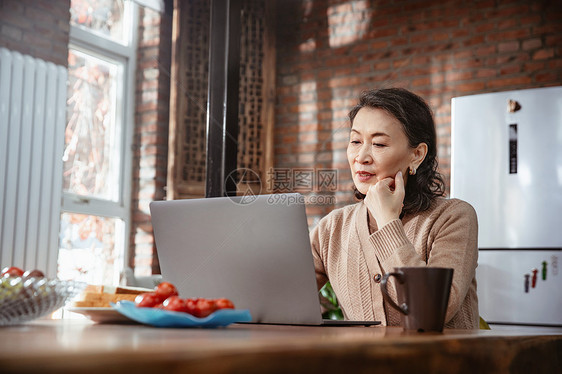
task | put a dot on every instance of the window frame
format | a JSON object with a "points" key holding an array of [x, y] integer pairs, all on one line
{"points": [[100, 47]]}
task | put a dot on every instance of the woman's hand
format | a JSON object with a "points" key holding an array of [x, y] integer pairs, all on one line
{"points": [[385, 199]]}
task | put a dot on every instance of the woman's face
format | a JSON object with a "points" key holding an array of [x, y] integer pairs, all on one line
{"points": [[378, 148]]}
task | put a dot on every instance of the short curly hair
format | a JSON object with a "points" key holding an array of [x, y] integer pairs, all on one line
{"points": [[417, 122]]}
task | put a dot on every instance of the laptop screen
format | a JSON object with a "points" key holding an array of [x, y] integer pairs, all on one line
{"points": [[256, 252]]}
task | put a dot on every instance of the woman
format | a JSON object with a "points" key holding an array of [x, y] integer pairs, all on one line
{"points": [[402, 219]]}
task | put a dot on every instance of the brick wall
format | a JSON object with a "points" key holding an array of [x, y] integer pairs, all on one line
{"points": [[150, 158], [38, 28], [329, 51]]}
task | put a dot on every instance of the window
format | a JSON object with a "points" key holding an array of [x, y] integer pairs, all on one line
{"points": [[97, 153]]}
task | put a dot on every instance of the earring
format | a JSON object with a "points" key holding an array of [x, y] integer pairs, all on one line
{"points": [[412, 170]]}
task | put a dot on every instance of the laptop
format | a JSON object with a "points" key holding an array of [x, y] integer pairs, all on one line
{"points": [[253, 250]]}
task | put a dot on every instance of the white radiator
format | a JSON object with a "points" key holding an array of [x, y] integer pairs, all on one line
{"points": [[32, 125]]}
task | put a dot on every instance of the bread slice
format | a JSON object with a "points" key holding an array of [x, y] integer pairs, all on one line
{"points": [[101, 296]]}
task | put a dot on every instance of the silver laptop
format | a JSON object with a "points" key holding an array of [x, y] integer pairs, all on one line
{"points": [[253, 250]]}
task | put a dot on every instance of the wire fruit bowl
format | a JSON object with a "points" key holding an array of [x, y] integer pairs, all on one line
{"points": [[23, 300]]}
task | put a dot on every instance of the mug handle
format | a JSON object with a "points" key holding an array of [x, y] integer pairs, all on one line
{"points": [[400, 278]]}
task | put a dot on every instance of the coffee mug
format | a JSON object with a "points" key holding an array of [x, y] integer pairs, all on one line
{"points": [[423, 294]]}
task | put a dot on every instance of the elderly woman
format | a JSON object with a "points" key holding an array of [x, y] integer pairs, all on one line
{"points": [[402, 218]]}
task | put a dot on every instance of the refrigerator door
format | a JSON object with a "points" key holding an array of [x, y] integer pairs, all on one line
{"points": [[508, 165], [506, 160], [511, 291]]}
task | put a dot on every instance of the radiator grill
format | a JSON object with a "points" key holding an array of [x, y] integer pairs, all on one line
{"points": [[32, 124]]}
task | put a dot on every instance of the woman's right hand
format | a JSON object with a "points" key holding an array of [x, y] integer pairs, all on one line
{"points": [[385, 199]]}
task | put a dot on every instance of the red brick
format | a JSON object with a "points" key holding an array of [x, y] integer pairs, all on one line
{"points": [[531, 19], [12, 8], [507, 35], [420, 60], [291, 109], [308, 107], [324, 74], [345, 70], [485, 51], [37, 15], [36, 40], [458, 76], [554, 28], [505, 59], [470, 63], [512, 11], [413, 71], [303, 148], [533, 66], [507, 70], [382, 33], [554, 16], [421, 82], [555, 64], [419, 38], [531, 44], [282, 149], [11, 32], [440, 36], [461, 32], [398, 41], [359, 48], [546, 77], [364, 68], [543, 54], [397, 64], [505, 82], [486, 73], [382, 65], [485, 28], [375, 45], [306, 97], [554, 40], [508, 46], [437, 79], [288, 100], [338, 61], [507, 23], [463, 54]]}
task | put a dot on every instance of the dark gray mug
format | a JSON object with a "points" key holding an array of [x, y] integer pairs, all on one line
{"points": [[423, 294]]}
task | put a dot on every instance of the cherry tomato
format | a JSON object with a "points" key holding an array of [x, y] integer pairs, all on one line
{"points": [[33, 274], [148, 300], [224, 304], [12, 272], [190, 306], [166, 289], [203, 307], [176, 304]]}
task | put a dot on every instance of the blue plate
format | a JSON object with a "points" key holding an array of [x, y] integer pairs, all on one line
{"points": [[165, 318]]}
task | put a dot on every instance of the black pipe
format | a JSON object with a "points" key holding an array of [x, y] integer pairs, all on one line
{"points": [[222, 106]]}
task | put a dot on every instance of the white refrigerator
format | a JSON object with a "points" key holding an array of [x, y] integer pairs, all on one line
{"points": [[506, 160]]}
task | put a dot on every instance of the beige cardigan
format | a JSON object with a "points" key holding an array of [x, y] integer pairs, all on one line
{"points": [[352, 259]]}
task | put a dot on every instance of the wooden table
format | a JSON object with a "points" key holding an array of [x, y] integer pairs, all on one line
{"points": [[76, 346]]}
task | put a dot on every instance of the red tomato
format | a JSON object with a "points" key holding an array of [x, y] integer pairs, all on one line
{"points": [[12, 272], [224, 304], [148, 300], [33, 274], [200, 307], [176, 304], [190, 306], [165, 289]]}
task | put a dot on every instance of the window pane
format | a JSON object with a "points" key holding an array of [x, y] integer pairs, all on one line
{"points": [[92, 138], [104, 17], [88, 250]]}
